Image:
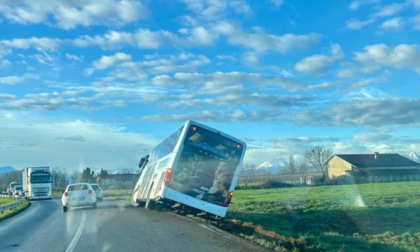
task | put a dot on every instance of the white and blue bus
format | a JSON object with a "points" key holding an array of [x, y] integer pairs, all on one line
{"points": [[197, 166]]}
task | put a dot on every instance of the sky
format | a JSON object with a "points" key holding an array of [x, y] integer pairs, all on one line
{"points": [[99, 83]]}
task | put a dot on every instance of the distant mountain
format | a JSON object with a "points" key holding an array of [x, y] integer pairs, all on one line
{"points": [[415, 156], [272, 167], [6, 169]]}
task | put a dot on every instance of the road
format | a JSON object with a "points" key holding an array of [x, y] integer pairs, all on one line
{"points": [[113, 226]]}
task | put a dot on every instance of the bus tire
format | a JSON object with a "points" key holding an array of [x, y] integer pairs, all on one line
{"points": [[134, 202], [150, 204]]}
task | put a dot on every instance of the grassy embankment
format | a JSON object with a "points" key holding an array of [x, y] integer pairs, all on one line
{"points": [[8, 213], [365, 217]]}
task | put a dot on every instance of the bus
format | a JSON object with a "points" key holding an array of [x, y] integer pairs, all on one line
{"points": [[196, 166]]}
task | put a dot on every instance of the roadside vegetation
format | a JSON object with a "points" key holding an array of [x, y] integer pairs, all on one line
{"points": [[11, 212], [359, 217]]}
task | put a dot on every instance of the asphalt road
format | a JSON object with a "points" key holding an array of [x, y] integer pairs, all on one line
{"points": [[113, 226]]}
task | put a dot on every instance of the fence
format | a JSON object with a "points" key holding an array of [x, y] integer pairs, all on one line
{"points": [[293, 179]]}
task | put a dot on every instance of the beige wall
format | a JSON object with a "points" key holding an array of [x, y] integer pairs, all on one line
{"points": [[337, 167]]}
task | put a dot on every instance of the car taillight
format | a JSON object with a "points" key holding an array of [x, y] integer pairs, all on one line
{"points": [[90, 191], [168, 176], [66, 194]]}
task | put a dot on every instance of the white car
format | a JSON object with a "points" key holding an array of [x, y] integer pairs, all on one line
{"points": [[78, 195], [98, 191]]}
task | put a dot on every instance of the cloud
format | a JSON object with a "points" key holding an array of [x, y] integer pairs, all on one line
{"points": [[42, 44], [319, 64], [356, 4], [354, 24], [108, 61], [403, 56], [14, 79], [73, 144], [72, 13], [216, 9], [373, 113], [260, 41], [394, 24]]}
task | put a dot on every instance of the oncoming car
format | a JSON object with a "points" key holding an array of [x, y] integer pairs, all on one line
{"points": [[78, 195], [98, 191]]}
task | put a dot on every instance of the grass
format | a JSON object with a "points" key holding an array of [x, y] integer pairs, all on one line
{"points": [[11, 212], [4, 201], [383, 216], [117, 194]]}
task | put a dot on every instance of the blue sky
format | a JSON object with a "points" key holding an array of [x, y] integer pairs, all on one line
{"points": [[99, 83]]}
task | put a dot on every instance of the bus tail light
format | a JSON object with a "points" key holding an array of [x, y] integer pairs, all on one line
{"points": [[168, 176], [228, 199]]}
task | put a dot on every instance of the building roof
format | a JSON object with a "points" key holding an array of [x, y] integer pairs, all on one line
{"points": [[378, 160]]}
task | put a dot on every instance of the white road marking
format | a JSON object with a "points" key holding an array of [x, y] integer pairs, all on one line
{"points": [[76, 237]]}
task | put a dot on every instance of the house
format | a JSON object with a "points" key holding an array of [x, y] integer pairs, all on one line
{"points": [[373, 167]]}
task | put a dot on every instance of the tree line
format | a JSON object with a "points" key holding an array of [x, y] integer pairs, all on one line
{"points": [[60, 177], [313, 160]]}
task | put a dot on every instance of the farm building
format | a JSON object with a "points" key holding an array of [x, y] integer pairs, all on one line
{"points": [[373, 167]]}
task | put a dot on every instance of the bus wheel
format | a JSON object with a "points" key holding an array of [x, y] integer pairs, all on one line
{"points": [[150, 204], [134, 198]]}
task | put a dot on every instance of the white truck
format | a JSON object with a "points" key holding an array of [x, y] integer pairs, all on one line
{"points": [[36, 182], [11, 189]]}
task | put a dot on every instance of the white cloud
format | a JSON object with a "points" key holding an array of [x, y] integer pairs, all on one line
{"points": [[72, 13], [319, 64], [357, 24], [393, 23], [356, 4], [400, 56], [109, 61], [216, 9], [260, 41], [74, 57], [276, 3], [43, 44], [14, 79], [73, 144]]}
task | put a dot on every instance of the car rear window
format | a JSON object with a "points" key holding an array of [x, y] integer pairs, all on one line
{"points": [[94, 187], [78, 188]]}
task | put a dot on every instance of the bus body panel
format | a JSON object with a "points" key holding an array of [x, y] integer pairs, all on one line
{"points": [[204, 164]]}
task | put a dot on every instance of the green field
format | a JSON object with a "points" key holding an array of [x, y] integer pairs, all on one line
{"points": [[365, 217]]}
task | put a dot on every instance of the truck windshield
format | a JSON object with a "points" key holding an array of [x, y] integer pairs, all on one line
{"points": [[40, 178], [207, 164]]}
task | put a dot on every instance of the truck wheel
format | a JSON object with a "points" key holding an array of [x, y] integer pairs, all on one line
{"points": [[64, 209]]}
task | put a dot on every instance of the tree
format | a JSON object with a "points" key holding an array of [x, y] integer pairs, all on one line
{"points": [[247, 174], [59, 177], [76, 176], [316, 157], [291, 166], [87, 176]]}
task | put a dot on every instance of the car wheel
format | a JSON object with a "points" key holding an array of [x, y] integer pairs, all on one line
{"points": [[94, 205], [65, 209]]}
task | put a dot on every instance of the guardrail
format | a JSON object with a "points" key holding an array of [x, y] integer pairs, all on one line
{"points": [[11, 205]]}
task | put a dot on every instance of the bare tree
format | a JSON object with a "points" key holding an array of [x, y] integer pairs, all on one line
{"points": [[247, 174], [291, 166], [59, 177], [316, 157]]}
